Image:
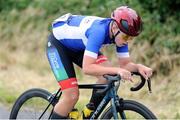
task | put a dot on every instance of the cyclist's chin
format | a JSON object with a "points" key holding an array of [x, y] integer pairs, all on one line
{"points": [[120, 45], [120, 42]]}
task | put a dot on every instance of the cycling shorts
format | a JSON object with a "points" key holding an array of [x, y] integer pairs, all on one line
{"points": [[61, 60]]}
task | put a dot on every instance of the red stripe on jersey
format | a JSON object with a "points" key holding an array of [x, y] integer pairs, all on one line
{"points": [[101, 59]]}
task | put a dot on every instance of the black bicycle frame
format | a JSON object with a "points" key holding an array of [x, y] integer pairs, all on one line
{"points": [[110, 91], [111, 95]]}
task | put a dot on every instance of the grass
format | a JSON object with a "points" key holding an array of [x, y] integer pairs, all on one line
{"points": [[7, 96]]}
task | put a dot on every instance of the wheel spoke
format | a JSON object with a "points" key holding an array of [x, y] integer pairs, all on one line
{"points": [[33, 108]]}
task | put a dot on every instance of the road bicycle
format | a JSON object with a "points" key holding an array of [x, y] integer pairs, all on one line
{"points": [[38, 103]]}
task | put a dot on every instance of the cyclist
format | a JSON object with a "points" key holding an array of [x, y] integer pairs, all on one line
{"points": [[78, 39]]}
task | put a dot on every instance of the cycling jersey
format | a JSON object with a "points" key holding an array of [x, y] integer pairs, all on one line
{"points": [[87, 33], [74, 36]]}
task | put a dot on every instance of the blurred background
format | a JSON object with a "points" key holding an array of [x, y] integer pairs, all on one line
{"points": [[25, 25]]}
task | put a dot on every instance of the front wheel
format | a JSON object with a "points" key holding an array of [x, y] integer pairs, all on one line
{"points": [[130, 110], [31, 104]]}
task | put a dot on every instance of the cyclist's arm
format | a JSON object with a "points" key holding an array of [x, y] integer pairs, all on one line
{"points": [[127, 64], [91, 68], [124, 59]]}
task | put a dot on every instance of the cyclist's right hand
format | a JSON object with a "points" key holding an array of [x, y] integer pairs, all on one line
{"points": [[125, 74]]}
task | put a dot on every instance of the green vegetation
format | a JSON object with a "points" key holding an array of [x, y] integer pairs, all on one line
{"points": [[25, 25]]}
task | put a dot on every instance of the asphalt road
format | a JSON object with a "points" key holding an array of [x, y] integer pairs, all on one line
{"points": [[4, 113]]}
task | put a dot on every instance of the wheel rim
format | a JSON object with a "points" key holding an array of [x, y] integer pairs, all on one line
{"points": [[128, 114]]}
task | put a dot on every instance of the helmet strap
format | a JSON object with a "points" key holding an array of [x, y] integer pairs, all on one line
{"points": [[117, 33]]}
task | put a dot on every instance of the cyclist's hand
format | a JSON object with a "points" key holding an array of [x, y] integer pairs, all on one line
{"points": [[125, 75], [146, 72]]}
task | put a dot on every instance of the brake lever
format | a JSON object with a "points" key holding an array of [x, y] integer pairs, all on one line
{"points": [[149, 85]]}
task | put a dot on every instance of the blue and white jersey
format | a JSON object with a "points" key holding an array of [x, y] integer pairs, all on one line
{"points": [[87, 33]]}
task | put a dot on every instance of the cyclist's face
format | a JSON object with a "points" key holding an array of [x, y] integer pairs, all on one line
{"points": [[122, 38]]}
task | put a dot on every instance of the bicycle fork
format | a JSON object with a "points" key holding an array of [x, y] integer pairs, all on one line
{"points": [[114, 103], [117, 104]]}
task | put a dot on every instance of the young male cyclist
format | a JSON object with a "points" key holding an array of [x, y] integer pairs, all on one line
{"points": [[78, 39]]}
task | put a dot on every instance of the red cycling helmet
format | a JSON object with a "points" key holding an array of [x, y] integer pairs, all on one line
{"points": [[128, 20]]}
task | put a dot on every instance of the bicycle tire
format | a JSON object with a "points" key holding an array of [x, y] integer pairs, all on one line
{"points": [[29, 94], [130, 105]]}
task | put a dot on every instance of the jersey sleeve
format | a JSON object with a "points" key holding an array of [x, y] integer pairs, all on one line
{"points": [[95, 41], [122, 51]]}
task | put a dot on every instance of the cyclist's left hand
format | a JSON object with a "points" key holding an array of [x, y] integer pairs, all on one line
{"points": [[146, 72]]}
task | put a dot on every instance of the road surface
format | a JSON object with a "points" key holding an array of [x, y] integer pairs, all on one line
{"points": [[4, 113]]}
